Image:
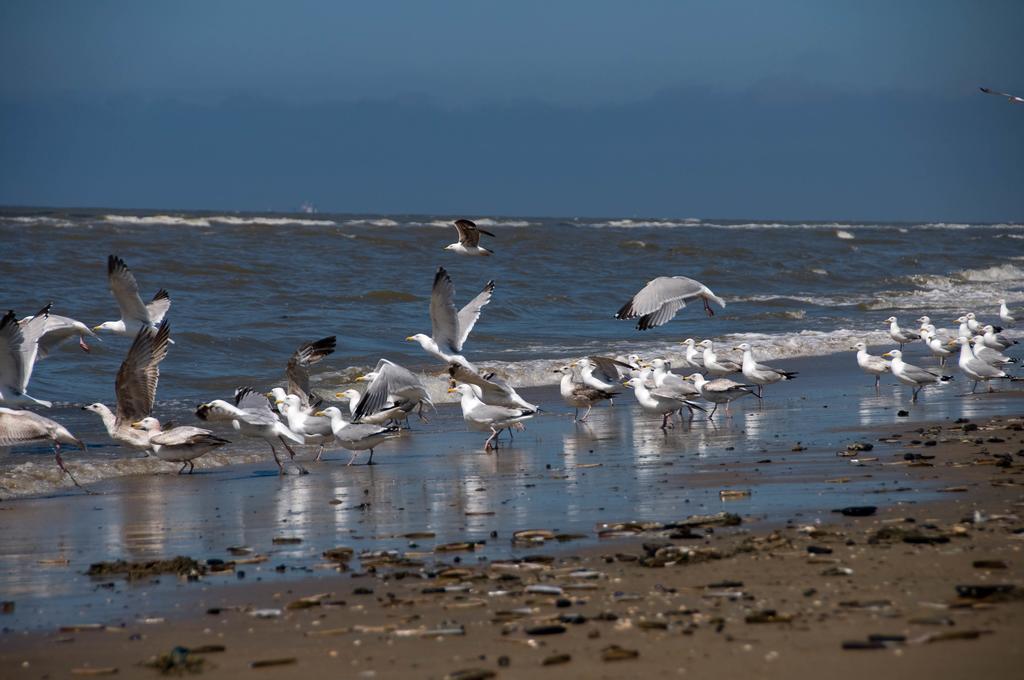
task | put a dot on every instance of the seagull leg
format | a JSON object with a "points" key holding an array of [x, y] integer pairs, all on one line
{"points": [[191, 467], [60, 464], [712, 414], [878, 381], [319, 453], [370, 462], [974, 386], [183, 466], [707, 307], [81, 343], [280, 467], [351, 460], [576, 418], [585, 415], [492, 438]]}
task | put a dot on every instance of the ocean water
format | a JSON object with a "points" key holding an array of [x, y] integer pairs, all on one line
{"points": [[248, 288]]}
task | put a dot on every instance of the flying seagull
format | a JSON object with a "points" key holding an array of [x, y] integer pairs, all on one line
{"points": [[19, 348], [449, 329], [469, 239], [658, 302], [391, 385], [135, 388], [134, 314], [1012, 98], [57, 330]]}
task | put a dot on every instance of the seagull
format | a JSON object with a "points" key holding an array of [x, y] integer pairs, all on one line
{"points": [[357, 436], [448, 327], [720, 391], [662, 402], [312, 429], [670, 384], [987, 354], [914, 376], [869, 363], [972, 322], [1012, 98], [490, 389], [1005, 316], [19, 348], [388, 414], [57, 330], [305, 356], [975, 368], [759, 374], [252, 416], [134, 314], [469, 239], [135, 388], [899, 335], [481, 416], [934, 344], [963, 331], [576, 393], [604, 373], [714, 365], [391, 385], [21, 427], [182, 444], [995, 340], [658, 302], [694, 358]]}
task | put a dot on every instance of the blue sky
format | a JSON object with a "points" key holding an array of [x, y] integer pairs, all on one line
{"points": [[747, 109]]}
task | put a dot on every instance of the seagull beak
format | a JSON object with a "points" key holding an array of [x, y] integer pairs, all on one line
{"points": [[137, 425], [410, 338], [887, 354], [96, 328], [362, 378], [339, 395], [279, 402], [452, 389], [320, 413], [270, 395]]}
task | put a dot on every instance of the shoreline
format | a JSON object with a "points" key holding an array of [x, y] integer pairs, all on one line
{"points": [[902, 587]]}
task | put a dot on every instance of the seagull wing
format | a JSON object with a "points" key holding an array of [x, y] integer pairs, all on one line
{"points": [[298, 365], [126, 290], [17, 427], [444, 321], [137, 378], [469, 314], [157, 308]]}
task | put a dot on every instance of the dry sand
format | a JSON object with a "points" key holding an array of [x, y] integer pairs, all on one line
{"points": [[917, 590]]}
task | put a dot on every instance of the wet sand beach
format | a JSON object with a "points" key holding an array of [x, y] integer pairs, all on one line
{"points": [[818, 444]]}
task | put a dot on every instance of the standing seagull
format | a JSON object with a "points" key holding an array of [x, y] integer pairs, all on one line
{"points": [[19, 348], [869, 363], [135, 388], [899, 335], [1005, 316], [305, 356], [490, 389], [720, 391], [134, 314], [481, 416], [658, 302], [974, 368], [357, 436], [759, 374], [448, 327], [714, 365], [252, 417], [182, 444], [1012, 98], [576, 393], [914, 376], [469, 239], [21, 427]]}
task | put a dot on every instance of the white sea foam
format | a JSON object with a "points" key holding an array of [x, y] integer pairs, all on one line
{"points": [[844, 234], [234, 220], [41, 220], [381, 222]]}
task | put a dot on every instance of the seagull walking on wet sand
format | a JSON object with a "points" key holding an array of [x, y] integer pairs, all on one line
{"points": [[668, 383], [484, 417], [302, 422], [662, 402], [469, 239], [134, 314], [252, 416], [22, 427], [449, 328], [183, 444], [694, 358], [660, 300], [135, 388], [900, 335], [720, 391], [934, 344], [577, 394], [871, 364], [975, 368], [759, 374], [914, 376], [357, 436]]}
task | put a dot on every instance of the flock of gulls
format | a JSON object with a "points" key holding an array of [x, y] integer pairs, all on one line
{"points": [[980, 358], [291, 416]]}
